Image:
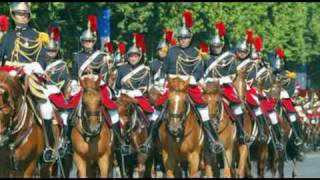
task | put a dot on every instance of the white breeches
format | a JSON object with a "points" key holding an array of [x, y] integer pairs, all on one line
{"points": [[273, 117], [114, 115], [46, 110]]}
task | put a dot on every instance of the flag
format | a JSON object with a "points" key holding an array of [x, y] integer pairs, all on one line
{"points": [[104, 27]]}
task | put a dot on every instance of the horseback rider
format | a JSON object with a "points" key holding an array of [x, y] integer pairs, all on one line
{"points": [[157, 64], [252, 98], [287, 79], [58, 80], [186, 62], [133, 78], [219, 69], [23, 47], [93, 63]]}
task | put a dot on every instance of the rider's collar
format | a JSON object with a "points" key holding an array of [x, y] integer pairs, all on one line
{"points": [[21, 27]]}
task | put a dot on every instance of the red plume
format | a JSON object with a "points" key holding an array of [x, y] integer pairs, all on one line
{"points": [[56, 33], [187, 15], [108, 45], [302, 92], [280, 53], [249, 36], [258, 44], [122, 48], [204, 47], [221, 28], [4, 23], [93, 22], [169, 36], [173, 42], [140, 41]]}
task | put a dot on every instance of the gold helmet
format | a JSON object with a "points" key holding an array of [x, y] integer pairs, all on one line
{"points": [[20, 7]]}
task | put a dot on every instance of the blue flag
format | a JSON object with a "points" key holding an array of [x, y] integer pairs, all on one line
{"points": [[104, 26]]}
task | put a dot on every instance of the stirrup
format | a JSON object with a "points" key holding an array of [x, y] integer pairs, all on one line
{"points": [[49, 151], [279, 146], [216, 147], [262, 138], [145, 148], [125, 149]]}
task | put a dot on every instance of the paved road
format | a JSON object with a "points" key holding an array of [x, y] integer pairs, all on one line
{"points": [[308, 168]]}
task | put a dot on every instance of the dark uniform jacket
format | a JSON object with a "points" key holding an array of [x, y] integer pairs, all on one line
{"points": [[28, 38]]}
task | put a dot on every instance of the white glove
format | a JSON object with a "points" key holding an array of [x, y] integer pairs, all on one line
{"points": [[33, 67], [75, 88]]}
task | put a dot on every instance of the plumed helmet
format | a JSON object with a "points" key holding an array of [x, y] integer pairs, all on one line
{"points": [[185, 30], [91, 32], [54, 41], [220, 30]]}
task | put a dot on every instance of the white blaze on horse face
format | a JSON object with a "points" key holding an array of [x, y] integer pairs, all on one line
{"points": [[176, 103]]}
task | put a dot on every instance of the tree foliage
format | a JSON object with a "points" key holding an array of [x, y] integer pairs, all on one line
{"points": [[292, 26]]}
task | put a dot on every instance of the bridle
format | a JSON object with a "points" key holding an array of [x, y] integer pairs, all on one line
{"points": [[84, 115]]}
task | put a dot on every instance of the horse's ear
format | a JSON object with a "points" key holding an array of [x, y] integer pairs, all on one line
{"points": [[97, 82]]}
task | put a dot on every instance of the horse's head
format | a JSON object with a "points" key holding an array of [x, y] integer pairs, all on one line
{"points": [[178, 104], [10, 97], [91, 103], [213, 97], [126, 107]]}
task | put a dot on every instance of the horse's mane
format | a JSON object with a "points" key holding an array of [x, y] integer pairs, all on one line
{"points": [[212, 88], [89, 82], [11, 85], [127, 100], [177, 84]]}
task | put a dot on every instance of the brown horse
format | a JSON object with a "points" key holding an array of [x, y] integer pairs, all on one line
{"points": [[134, 137], [259, 150], [243, 149], [181, 136], [225, 129], [92, 139], [21, 136], [278, 158]]}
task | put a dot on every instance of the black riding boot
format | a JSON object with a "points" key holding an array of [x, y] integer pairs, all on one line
{"points": [[212, 137], [297, 126], [240, 130], [278, 137], [261, 126], [48, 154], [63, 149], [124, 149]]}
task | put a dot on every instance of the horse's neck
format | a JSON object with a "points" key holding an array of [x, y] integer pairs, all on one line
{"points": [[27, 120], [240, 85]]}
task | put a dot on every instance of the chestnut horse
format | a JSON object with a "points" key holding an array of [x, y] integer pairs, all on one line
{"points": [[225, 129], [134, 136], [259, 150], [278, 158], [92, 139], [243, 149], [21, 136], [181, 136]]}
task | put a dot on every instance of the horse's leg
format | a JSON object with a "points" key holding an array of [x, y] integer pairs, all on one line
{"points": [[228, 159], [193, 166], [243, 150], [29, 171], [80, 164], [169, 164], [294, 171], [262, 159], [104, 165]]}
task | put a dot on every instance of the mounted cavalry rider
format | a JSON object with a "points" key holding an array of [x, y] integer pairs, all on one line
{"points": [[156, 66], [93, 63], [133, 78], [186, 62], [222, 67], [23, 48], [287, 80], [252, 95], [57, 82]]}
